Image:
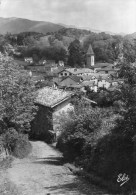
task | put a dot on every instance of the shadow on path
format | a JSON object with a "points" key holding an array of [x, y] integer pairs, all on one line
{"points": [[73, 189], [57, 161]]}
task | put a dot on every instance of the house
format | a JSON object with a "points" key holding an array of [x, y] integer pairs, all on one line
{"points": [[36, 68], [95, 76], [103, 83], [70, 80], [51, 102], [102, 65], [28, 60], [38, 78], [42, 61], [61, 63], [91, 84], [75, 71], [107, 70]]}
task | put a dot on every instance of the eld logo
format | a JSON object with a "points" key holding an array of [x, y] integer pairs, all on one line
{"points": [[122, 178]]}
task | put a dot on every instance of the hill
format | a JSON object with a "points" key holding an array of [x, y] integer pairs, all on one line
{"points": [[131, 36], [18, 25]]}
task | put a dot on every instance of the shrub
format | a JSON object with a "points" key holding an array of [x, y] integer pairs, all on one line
{"points": [[22, 146], [77, 128], [17, 144]]}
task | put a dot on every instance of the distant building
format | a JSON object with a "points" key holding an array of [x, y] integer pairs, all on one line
{"points": [[104, 83], [42, 62], [74, 71], [70, 81], [101, 65], [107, 70], [61, 63], [90, 57], [29, 60]]}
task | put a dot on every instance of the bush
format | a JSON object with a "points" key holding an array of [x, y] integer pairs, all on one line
{"points": [[78, 128], [17, 144], [112, 155], [22, 147]]}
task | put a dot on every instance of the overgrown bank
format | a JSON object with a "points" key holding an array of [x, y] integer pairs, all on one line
{"points": [[17, 92], [104, 151]]}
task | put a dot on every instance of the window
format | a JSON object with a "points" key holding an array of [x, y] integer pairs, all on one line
{"points": [[65, 74], [106, 72]]}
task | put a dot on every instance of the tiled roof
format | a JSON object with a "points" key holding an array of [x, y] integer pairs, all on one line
{"points": [[73, 77], [50, 97]]}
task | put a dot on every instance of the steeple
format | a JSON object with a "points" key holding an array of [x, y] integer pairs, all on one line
{"points": [[90, 57], [90, 50]]}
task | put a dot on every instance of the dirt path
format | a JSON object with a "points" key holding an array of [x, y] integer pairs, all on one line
{"points": [[42, 173]]}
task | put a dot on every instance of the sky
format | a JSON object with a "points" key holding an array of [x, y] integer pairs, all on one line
{"points": [[105, 15]]}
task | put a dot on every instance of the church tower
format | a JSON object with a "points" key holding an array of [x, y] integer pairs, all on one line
{"points": [[90, 57]]}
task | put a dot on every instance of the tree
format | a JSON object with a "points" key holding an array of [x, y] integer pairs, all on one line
{"points": [[126, 96], [76, 54], [17, 96]]}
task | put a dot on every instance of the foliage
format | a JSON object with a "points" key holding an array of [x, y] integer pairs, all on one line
{"points": [[50, 53], [103, 97], [107, 48], [76, 54], [78, 128], [17, 96], [16, 143]]}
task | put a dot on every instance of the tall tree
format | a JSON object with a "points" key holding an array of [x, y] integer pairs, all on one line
{"points": [[76, 54]]}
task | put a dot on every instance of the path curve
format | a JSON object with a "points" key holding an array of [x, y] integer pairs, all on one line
{"points": [[42, 173]]}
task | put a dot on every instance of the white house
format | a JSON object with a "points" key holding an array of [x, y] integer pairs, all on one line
{"points": [[28, 60]]}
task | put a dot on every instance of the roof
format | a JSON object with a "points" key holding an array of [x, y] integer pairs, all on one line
{"points": [[79, 71], [73, 77], [102, 65], [90, 51], [78, 86], [88, 83], [90, 101], [51, 97], [96, 75], [38, 78], [58, 70], [107, 69]]}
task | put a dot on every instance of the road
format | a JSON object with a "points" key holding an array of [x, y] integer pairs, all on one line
{"points": [[43, 173]]}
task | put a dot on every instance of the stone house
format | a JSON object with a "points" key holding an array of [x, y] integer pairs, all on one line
{"points": [[50, 102]]}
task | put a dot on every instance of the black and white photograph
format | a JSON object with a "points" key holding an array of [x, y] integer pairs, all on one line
{"points": [[68, 97]]}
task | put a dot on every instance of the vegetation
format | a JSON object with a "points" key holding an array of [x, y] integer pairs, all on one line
{"points": [[102, 140], [76, 54], [55, 45], [16, 105]]}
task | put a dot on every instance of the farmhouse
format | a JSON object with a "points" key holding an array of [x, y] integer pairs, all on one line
{"points": [[50, 102]]}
